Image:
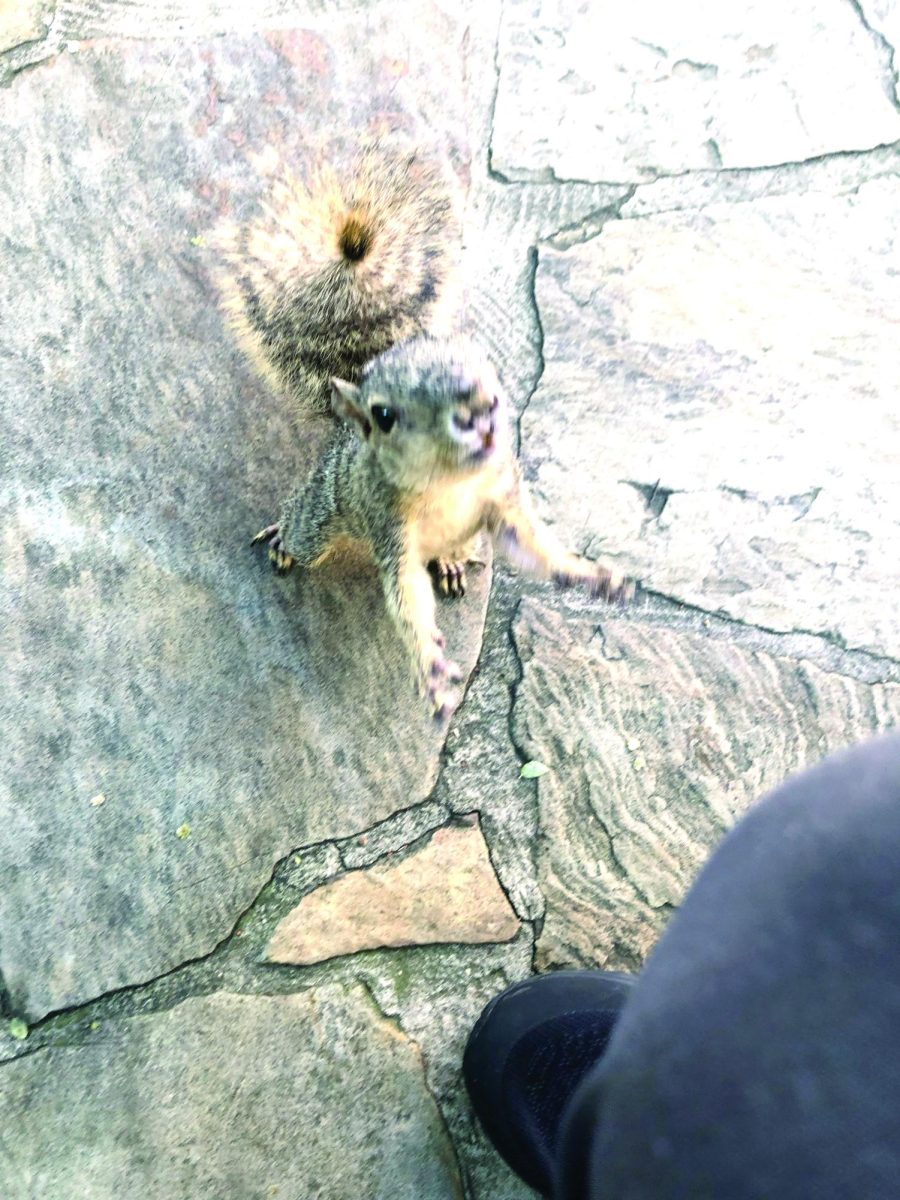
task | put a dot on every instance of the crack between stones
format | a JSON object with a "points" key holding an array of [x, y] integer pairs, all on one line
{"points": [[11, 70], [31, 53], [580, 232], [605, 213], [533, 259], [515, 685], [887, 51], [591, 225], [453, 821], [341, 843], [523, 920], [736, 174], [730, 175], [84, 1008], [129, 989], [818, 635], [10, 53], [28, 1052], [395, 1018], [491, 172], [536, 924], [221, 946], [547, 177], [6, 1010]]}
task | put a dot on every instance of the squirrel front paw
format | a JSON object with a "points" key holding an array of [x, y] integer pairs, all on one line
{"points": [[611, 585], [279, 558], [437, 679], [602, 582]]}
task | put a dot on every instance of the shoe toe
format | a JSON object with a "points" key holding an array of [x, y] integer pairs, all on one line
{"points": [[527, 1053]]}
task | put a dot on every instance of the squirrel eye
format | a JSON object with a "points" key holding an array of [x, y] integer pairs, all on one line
{"points": [[385, 418]]}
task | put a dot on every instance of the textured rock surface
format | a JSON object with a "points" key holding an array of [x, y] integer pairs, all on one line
{"points": [[883, 18], [730, 430], [229, 1096], [730, 352], [21, 21], [657, 741], [445, 891], [148, 655], [625, 93]]}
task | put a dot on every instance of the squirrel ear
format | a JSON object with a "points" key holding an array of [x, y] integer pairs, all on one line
{"points": [[345, 403]]}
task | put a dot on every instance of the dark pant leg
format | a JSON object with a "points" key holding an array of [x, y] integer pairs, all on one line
{"points": [[758, 1057]]}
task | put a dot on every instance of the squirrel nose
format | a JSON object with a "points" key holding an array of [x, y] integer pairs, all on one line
{"points": [[484, 423], [481, 423]]}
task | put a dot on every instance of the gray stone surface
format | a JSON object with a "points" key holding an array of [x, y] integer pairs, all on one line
{"points": [[149, 655], [437, 994], [229, 1096], [657, 741], [739, 361], [626, 93]]}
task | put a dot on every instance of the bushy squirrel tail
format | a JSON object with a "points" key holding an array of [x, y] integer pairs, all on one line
{"points": [[340, 265]]}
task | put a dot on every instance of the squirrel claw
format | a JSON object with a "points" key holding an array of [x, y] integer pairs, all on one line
{"points": [[613, 587], [449, 577], [279, 558], [602, 583], [442, 705], [265, 535], [452, 673]]}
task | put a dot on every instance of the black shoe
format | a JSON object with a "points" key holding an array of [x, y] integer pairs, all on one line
{"points": [[528, 1052]]}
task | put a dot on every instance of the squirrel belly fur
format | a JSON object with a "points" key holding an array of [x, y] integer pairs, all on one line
{"points": [[337, 290]]}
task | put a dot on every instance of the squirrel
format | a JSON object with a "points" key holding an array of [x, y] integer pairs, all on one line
{"points": [[335, 291]]}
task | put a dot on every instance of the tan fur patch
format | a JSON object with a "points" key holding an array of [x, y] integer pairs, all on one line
{"points": [[344, 549], [451, 512]]}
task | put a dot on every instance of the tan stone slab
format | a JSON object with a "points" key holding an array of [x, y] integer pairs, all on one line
{"points": [[445, 892], [657, 741]]}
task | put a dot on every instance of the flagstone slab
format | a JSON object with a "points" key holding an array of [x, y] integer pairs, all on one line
{"points": [[625, 93]]}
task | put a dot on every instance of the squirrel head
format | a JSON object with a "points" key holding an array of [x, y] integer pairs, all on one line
{"points": [[429, 409]]}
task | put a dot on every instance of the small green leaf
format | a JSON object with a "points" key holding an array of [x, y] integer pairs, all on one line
{"points": [[18, 1029], [533, 769], [95, 1025], [199, 240], [183, 831]]}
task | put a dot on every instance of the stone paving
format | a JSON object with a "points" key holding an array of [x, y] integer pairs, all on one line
{"points": [[250, 901]]}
